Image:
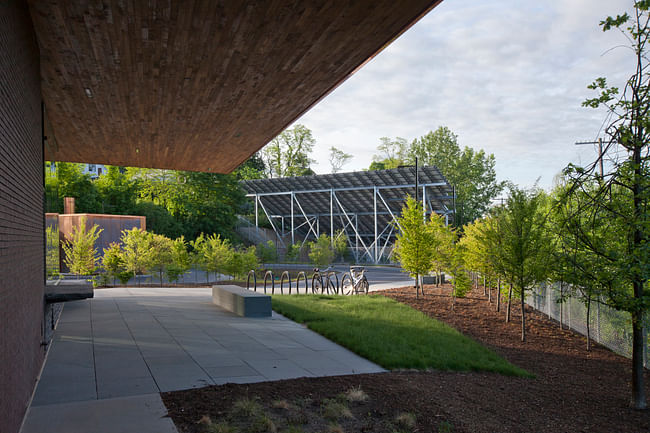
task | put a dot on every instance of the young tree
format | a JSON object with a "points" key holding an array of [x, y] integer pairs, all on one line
{"points": [[622, 199], [524, 253], [338, 159], [478, 251], [136, 251], [52, 251], [160, 256], [414, 247], [288, 153], [340, 243], [461, 281], [113, 261], [212, 254], [444, 239], [181, 260], [267, 252], [79, 248], [320, 251]]}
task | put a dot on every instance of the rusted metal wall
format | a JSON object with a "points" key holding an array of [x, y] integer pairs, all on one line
{"points": [[111, 225]]}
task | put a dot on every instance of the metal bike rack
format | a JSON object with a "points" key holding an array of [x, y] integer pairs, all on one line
{"points": [[304, 277], [248, 280], [266, 277], [285, 274]]}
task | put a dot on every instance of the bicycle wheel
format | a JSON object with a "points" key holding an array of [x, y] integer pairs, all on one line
{"points": [[331, 287], [347, 286], [335, 281], [316, 284], [364, 286]]}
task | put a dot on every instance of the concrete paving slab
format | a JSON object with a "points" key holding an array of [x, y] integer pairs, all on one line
{"points": [[232, 371], [136, 341], [142, 414], [277, 369]]}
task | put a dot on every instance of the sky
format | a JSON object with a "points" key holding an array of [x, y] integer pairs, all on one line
{"points": [[506, 76]]}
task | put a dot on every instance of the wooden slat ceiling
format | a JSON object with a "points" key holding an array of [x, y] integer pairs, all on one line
{"points": [[197, 85]]}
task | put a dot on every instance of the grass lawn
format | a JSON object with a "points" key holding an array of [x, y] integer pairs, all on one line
{"points": [[391, 334]]}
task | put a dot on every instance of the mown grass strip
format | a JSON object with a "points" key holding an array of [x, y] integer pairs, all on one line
{"points": [[391, 334]]}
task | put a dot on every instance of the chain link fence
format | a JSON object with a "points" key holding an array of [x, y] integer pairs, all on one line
{"points": [[609, 327]]}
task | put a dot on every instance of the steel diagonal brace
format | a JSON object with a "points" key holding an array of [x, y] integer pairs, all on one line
{"points": [[353, 227], [271, 221]]}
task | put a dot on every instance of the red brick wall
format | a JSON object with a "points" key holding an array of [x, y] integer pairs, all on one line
{"points": [[21, 213]]}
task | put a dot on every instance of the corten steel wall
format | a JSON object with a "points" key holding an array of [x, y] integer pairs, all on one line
{"points": [[111, 225], [21, 214]]}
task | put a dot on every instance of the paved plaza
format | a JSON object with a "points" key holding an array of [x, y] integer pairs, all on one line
{"points": [[112, 355]]}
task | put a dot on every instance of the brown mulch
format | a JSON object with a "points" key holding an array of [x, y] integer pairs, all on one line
{"points": [[573, 391]]}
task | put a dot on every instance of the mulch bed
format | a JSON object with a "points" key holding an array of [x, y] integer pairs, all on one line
{"points": [[574, 390]]}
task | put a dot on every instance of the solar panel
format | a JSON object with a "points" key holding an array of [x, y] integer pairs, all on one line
{"points": [[362, 203]]}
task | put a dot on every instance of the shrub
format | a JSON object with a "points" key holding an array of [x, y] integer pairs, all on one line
{"points": [[321, 253], [80, 251]]}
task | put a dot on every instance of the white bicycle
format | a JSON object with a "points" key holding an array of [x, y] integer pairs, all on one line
{"points": [[355, 282]]}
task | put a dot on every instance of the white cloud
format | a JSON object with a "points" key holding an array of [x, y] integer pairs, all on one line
{"points": [[506, 76]]}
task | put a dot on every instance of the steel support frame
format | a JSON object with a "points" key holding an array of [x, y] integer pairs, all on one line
{"points": [[349, 221]]}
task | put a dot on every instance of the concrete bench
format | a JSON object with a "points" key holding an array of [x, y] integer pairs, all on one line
{"points": [[241, 301], [68, 290]]}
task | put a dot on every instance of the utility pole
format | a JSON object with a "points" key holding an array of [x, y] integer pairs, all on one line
{"points": [[600, 153]]}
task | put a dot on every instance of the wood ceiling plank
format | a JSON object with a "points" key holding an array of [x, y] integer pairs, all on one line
{"points": [[201, 84]]}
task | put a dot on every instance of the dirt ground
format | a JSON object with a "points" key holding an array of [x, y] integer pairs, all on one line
{"points": [[574, 390]]}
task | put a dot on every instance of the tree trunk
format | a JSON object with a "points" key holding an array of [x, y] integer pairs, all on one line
{"points": [[588, 328], [417, 288], [509, 303], [498, 295], [638, 385], [523, 316], [490, 291], [484, 288], [160, 275], [561, 304]]}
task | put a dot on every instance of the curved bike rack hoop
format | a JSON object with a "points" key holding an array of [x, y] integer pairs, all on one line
{"points": [[266, 277], [319, 276], [304, 277], [285, 274], [336, 279], [248, 280]]}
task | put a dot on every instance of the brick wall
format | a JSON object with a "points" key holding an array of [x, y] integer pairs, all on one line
{"points": [[21, 214]]}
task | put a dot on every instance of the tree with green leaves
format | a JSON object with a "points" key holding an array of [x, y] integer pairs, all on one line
{"points": [[212, 254], [320, 251], [471, 172], [478, 251], [160, 256], [288, 153], [340, 243], [444, 240], [338, 159], [524, 253], [67, 179], [252, 168], [393, 152], [181, 260], [241, 261], [79, 248], [619, 200], [113, 263], [414, 247], [136, 251], [267, 252], [52, 251]]}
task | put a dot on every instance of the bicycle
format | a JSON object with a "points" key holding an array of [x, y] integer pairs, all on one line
{"points": [[355, 282], [325, 287]]}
